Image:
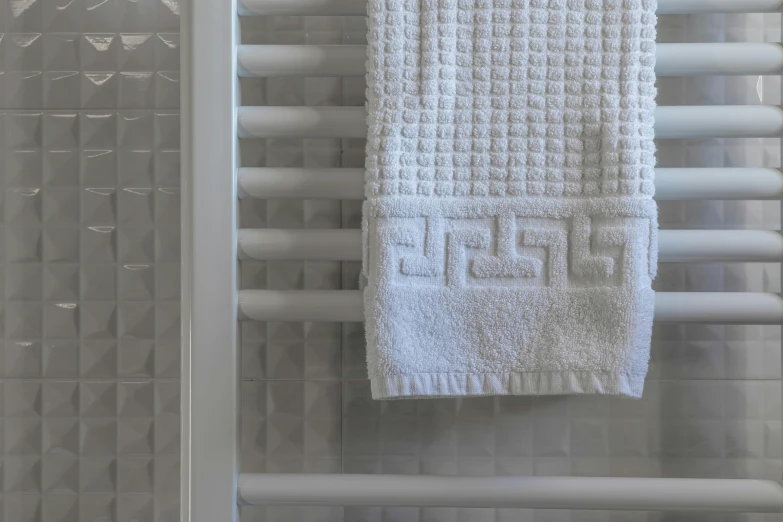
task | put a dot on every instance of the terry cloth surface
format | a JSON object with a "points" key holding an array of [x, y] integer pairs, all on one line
{"points": [[509, 228]]}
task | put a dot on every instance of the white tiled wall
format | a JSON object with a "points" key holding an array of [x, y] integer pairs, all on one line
{"points": [[713, 398], [89, 229]]}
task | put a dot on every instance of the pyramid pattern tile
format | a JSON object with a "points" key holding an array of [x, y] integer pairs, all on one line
{"points": [[89, 202]]}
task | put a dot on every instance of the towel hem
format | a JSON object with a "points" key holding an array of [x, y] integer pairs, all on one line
{"points": [[433, 385]]}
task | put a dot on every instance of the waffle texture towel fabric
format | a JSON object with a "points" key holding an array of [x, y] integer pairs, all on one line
{"points": [[509, 228]]}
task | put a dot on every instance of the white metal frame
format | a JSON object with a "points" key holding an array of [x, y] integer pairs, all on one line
{"points": [[210, 360], [212, 121]]}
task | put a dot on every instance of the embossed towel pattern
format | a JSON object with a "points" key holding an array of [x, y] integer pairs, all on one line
{"points": [[509, 228]]}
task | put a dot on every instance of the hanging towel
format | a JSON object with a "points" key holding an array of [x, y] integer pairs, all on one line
{"points": [[509, 228]]}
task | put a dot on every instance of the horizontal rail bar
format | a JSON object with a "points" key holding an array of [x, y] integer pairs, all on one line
{"points": [[295, 183], [659, 494], [670, 184], [718, 6], [699, 59], [301, 305], [738, 246], [359, 7], [718, 308], [301, 60], [674, 245], [302, 7], [308, 245], [301, 122], [718, 183], [673, 59], [720, 121], [670, 307]]}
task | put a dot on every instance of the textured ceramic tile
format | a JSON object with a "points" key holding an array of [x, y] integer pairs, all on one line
{"points": [[89, 156]]}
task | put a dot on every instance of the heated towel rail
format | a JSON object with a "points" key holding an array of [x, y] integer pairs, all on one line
{"points": [[213, 119]]}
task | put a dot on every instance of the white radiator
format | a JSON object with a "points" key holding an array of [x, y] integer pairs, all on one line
{"points": [[213, 120]]}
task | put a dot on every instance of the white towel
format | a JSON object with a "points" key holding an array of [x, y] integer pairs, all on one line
{"points": [[509, 228]]}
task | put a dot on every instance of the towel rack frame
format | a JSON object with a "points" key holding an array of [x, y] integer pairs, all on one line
{"points": [[211, 484]]}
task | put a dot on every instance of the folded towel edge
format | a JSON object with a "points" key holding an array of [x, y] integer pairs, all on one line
{"points": [[565, 382]]}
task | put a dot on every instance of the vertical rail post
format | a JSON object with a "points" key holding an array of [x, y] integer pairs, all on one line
{"points": [[780, 231], [210, 377]]}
